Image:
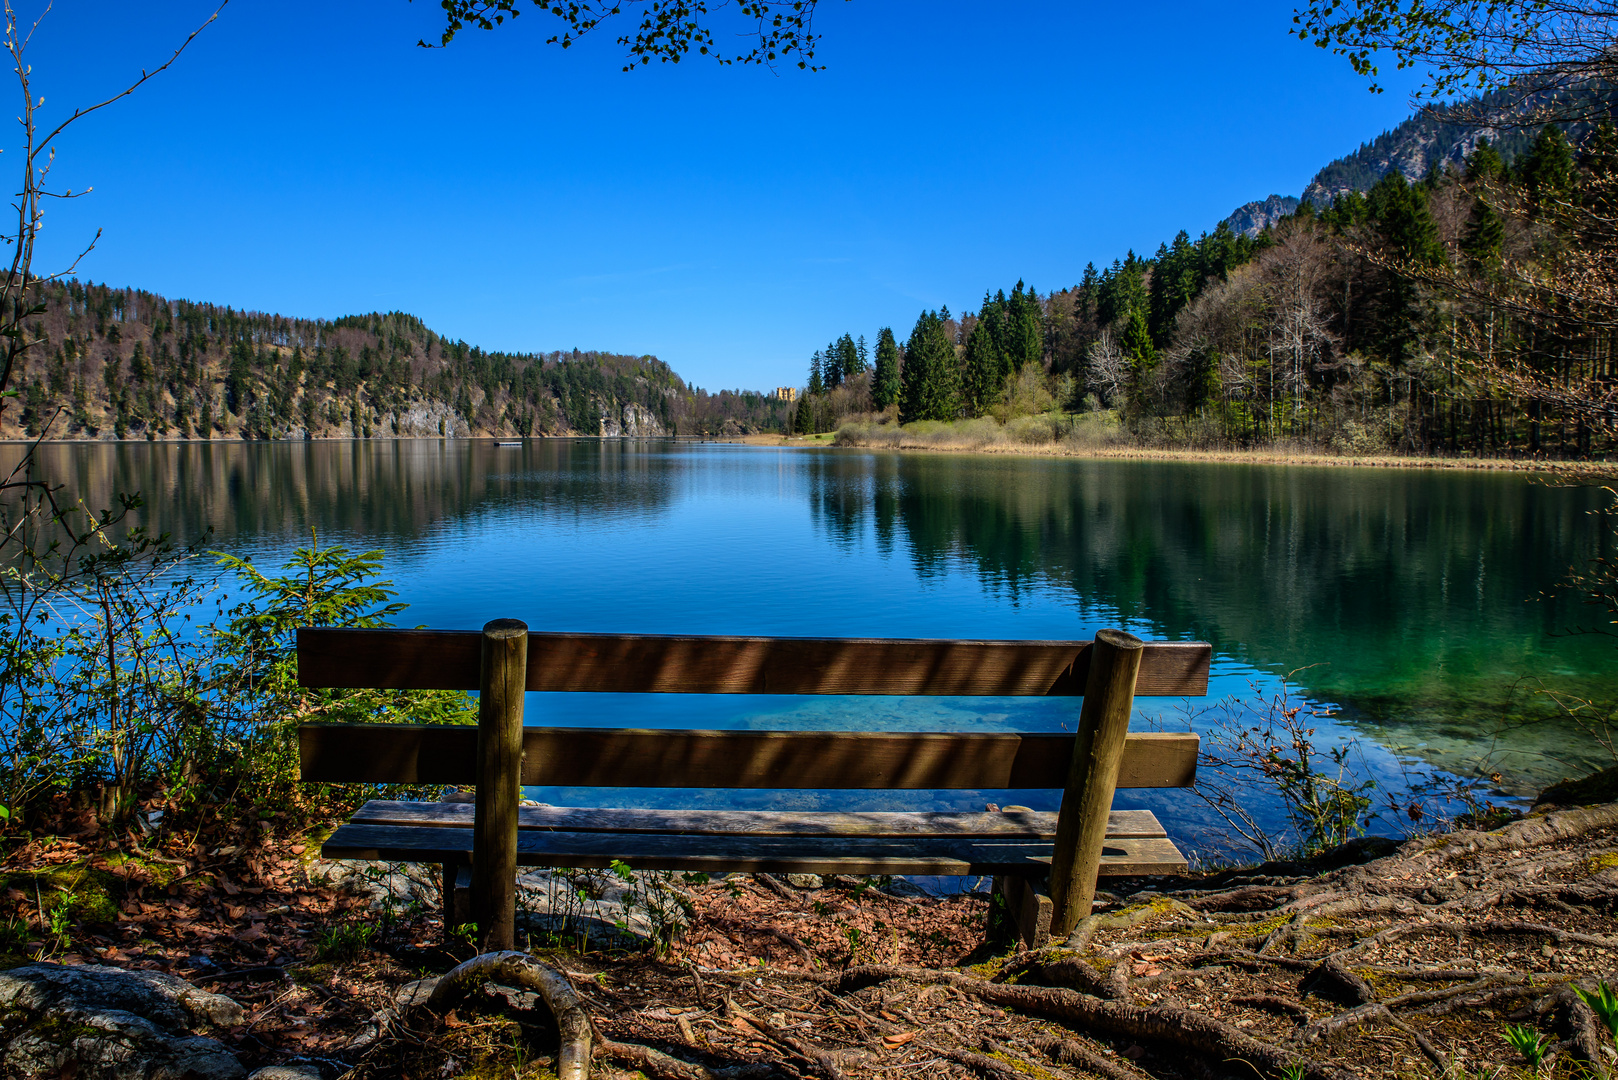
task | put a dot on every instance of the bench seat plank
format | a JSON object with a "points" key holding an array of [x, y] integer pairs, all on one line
{"points": [[662, 664], [752, 853], [679, 758], [1034, 825]]}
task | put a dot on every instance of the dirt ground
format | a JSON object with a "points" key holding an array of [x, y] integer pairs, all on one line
{"points": [[1415, 964]]}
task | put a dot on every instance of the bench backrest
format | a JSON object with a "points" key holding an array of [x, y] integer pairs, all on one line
{"points": [[625, 663], [501, 754]]}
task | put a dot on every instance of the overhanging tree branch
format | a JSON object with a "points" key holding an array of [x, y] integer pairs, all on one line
{"points": [[668, 30]]}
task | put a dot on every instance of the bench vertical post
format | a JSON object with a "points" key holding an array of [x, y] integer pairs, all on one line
{"points": [[1081, 828], [502, 681]]}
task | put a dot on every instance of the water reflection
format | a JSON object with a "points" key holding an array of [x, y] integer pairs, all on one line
{"points": [[262, 493], [1419, 600], [1416, 595]]}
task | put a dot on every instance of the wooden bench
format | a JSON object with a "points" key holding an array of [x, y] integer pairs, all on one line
{"points": [[481, 844]]}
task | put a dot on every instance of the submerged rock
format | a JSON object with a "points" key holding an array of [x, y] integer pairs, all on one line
{"points": [[1598, 787], [101, 1023]]}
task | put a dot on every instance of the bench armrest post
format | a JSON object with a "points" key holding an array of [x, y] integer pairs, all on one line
{"points": [[503, 678], [1081, 828]]}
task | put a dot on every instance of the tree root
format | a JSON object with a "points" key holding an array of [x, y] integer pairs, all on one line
{"points": [[1247, 957], [1499, 927], [1333, 981], [778, 887], [1272, 1004], [1577, 1023], [986, 1066], [1424, 958], [1112, 984], [1125, 919], [1367, 1015], [661, 1066], [1070, 1052], [814, 1055], [1185, 1029], [522, 971]]}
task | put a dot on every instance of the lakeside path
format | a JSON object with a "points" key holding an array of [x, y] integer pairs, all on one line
{"points": [[1571, 469]]}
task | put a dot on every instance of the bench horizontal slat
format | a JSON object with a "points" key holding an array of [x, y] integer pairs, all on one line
{"points": [[1033, 825], [637, 663], [635, 758], [754, 854]]}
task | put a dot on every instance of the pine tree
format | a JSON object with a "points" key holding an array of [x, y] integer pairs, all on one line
{"points": [[930, 380], [817, 383], [1023, 339], [1175, 283], [1136, 339], [986, 366], [832, 366], [140, 368], [239, 380], [849, 360], [33, 408], [81, 407], [1485, 233], [1483, 165], [1400, 209], [1547, 169], [885, 390]]}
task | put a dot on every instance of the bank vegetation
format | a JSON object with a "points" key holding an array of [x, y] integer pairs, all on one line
{"points": [[1469, 314]]}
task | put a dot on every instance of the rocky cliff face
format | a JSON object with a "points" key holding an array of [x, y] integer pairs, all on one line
{"points": [[636, 422], [1254, 217], [1435, 136]]}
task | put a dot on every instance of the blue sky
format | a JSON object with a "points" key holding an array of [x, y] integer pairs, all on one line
{"points": [[311, 160]]}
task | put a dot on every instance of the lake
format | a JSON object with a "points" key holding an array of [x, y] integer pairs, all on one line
{"points": [[1419, 605]]}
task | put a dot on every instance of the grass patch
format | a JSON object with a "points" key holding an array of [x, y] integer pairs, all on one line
{"points": [[345, 942], [72, 892]]}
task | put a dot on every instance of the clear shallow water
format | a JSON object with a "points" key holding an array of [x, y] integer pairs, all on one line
{"points": [[1415, 595]]}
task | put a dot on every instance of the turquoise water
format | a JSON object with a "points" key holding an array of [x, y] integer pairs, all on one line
{"points": [[1414, 600]]}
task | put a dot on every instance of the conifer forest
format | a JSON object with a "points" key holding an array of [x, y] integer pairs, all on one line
{"points": [[127, 364], [1463, 313]]}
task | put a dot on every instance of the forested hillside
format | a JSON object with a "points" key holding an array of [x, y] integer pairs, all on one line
{"points": [[1443, 135], [1469, 312], [122, 363]]}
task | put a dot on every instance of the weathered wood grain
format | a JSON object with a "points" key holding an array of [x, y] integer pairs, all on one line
{"points": [[504, 649], [1031, 825], [620, 757], [632, 663], [1109, 700], [756, 854]]}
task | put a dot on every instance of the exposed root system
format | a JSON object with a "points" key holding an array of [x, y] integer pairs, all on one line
{"points": [[1407, 966]]}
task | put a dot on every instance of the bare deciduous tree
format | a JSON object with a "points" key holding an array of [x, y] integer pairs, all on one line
{"points": [[1108, 367]]}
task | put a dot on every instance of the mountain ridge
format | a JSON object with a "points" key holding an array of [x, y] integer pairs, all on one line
{"points": [[112, 363], [1434, 135]]}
